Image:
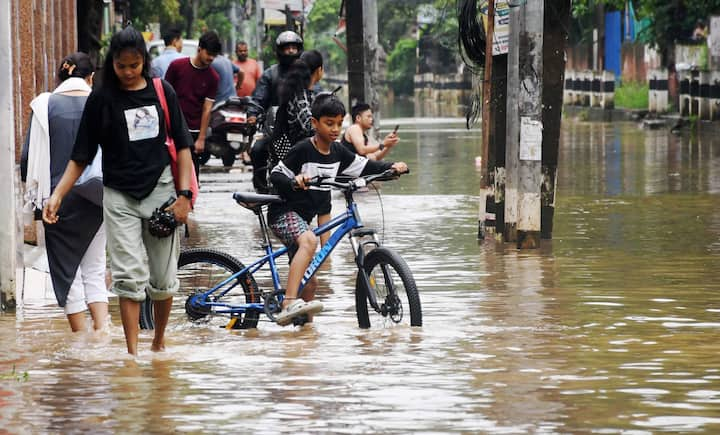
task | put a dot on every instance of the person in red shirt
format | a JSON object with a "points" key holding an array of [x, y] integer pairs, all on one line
{"points": [[196, 85], [250, 69]]}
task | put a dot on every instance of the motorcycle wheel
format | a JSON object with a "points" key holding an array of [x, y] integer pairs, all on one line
{"points": [[204, 157], [228, 159]]}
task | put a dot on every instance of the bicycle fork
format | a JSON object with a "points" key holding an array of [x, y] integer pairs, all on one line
{"points": [[363, 277]]}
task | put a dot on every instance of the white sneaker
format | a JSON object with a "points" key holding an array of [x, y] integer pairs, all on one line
{"points": [[297, 308]]}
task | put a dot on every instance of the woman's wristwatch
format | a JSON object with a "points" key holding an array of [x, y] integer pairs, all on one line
{"points": [[381, 146], [186, 193]]}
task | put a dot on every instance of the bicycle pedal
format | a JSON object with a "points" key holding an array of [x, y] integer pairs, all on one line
{"points": [[231, 323]]}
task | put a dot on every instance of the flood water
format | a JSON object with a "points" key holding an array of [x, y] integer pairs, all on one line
{"points": [[613, 326]]}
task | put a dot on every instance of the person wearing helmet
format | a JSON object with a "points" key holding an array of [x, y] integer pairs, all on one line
{"points": [[288, 47]]}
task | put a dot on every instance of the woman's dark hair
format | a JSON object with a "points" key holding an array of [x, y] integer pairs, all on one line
{"points": [[295, 83], [313, 59], [126, 39], [75, 65], [327, 105]]}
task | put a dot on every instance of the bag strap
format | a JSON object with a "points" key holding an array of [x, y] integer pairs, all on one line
{"points": [[157, 83]]}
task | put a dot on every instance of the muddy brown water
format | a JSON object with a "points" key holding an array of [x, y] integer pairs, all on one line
{"points": [[610, 327]]}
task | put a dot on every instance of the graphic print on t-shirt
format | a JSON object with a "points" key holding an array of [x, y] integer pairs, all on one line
{"points": [[322, 170], [142, 122]]}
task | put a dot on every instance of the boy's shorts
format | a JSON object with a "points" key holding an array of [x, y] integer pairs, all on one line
{"points": [[288, 227]]}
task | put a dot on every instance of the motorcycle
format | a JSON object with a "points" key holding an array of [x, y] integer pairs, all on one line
{"points": [[230, 134]]}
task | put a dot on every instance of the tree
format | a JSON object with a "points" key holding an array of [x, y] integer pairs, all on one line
{"points": [[194, 16], [668, 21], [144, 12], [319, 31]]}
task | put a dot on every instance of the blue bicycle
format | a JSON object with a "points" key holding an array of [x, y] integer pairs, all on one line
{"points": [[213, 283]]}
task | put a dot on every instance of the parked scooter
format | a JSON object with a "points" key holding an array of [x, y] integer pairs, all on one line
{"points": [[229, 132]]}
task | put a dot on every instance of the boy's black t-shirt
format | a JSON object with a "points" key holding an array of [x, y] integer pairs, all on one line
{"points": [[303, 158], [130, 127]]}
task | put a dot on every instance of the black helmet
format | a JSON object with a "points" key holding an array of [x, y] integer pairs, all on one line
{"points": [[286, 38]]}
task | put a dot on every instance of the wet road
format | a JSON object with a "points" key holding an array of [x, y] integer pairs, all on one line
{"points": [[610, 327]]}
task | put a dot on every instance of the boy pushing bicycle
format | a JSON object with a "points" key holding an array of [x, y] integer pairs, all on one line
{"points": [[317, 156]]}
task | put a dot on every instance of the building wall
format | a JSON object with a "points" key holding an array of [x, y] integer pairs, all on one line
{"points": [[636, 58], [634, 68], [44, 31]]}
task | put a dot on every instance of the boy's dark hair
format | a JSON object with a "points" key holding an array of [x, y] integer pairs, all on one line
{"points": [[210, 41], [170, 35], [358, 109], [327, 105], [127, 38]]}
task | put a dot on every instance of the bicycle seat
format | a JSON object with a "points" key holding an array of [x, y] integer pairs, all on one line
{"points": [[251, 200]]}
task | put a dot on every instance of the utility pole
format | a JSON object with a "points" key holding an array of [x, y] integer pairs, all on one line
{"points": [[8, 224], [362, 42], [485, 190], [557, 19], [527, 36], [258, 33], [512, 143], [233, 30]]}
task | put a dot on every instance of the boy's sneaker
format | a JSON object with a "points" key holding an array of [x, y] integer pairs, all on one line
{"points": [[297, 308]]}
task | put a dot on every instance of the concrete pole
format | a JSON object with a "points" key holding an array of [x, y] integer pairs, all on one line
{"points": [[512, 145], [554, 43], [487, 94], [530, 110], [362, 42], [233, 28], [259, 33], [8, 224], [486, 191]]}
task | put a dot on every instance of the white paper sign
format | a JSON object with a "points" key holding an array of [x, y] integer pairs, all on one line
{"points": [[530, 139], [714, 37]]}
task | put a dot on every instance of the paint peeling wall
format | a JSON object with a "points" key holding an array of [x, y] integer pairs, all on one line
{"points": [[43, 32]]}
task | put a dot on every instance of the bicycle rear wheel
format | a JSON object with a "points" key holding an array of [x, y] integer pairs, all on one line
{"points": [[394, 286], [199, 270]]}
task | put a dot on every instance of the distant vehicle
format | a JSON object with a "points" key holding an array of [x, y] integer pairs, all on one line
{"points": [[157, 46]]}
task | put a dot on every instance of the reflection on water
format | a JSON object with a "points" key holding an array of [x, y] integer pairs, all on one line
{"points": [[612, 326]]}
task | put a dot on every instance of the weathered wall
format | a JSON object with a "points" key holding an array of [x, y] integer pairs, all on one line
{"points": [[637, 59], [43, 32], [453, 89], [579, 57], [634, 68]]}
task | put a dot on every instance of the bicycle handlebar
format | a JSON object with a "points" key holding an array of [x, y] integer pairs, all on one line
{"points": [[355, 183]]}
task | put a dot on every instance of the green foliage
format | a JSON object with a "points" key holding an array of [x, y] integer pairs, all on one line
{"points": [[632, 95], [668, 21], [144, 12], [321, 24], [583, 115], [210, 15], [15, 376], [396, 19], [401, 63]]}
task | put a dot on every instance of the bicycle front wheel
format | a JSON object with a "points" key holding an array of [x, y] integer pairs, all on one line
{"points": [[198, 271], [394, 286]]}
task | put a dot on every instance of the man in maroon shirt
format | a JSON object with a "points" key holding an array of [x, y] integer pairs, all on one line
{"points": [[196, 85]]}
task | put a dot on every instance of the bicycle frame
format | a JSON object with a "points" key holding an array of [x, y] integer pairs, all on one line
{"points": [[345, 223]]}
